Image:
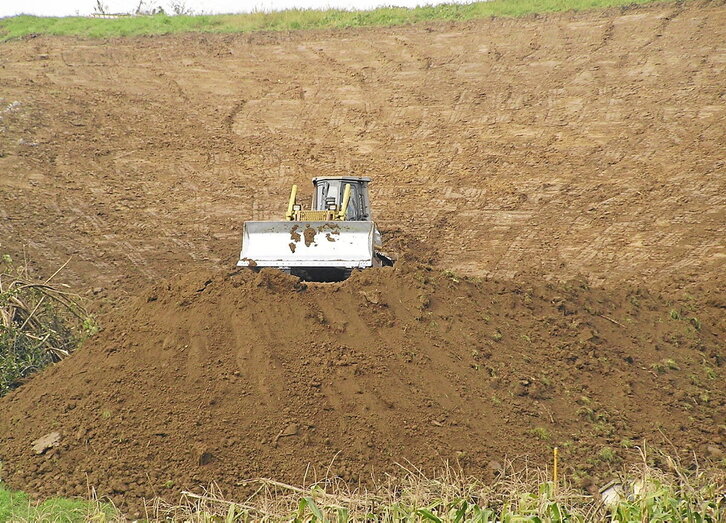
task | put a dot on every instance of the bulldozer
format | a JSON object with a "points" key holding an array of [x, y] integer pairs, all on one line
{"points": [[324, 243]]}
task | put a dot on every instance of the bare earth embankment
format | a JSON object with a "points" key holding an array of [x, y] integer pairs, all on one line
{"points": [[587, 144], [567, 168]]}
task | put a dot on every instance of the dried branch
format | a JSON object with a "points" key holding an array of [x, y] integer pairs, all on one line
{"points": [[40, 323]]}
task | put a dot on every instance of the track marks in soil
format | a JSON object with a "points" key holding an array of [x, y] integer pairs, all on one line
{"points": [[180, 139]]}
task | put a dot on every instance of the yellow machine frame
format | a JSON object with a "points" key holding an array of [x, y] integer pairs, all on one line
{"points": [[299, 215]]}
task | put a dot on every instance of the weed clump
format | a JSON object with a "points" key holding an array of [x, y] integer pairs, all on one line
{"points": [[40, 324]]}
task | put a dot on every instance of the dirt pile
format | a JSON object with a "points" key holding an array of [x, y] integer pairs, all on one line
{"points": [[223, 377]]}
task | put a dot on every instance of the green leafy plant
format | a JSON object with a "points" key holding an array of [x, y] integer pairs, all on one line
{"points": [[666, 364], [541, 433], [607, 454]]}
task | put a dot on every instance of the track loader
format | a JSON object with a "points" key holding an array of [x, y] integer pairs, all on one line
{"points": [[326, 242]]}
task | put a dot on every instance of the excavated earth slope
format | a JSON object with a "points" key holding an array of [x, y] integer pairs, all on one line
{"points": [[225, 377], [574, 146], [574, 143]]}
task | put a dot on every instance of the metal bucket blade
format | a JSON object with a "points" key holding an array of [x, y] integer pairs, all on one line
{"points": [[339, 244]]}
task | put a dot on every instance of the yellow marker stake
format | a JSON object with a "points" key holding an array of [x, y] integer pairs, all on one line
{"points": [[554, 470], [291, 204]]}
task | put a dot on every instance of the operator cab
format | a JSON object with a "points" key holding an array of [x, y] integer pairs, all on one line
{"points": [[328, 195]]}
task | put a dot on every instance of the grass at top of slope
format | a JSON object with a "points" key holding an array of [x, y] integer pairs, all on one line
{"points": [[292, 19]]}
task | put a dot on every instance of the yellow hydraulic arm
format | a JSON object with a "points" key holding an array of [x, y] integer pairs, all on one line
{"points": [[290, 214], [293, 214]]}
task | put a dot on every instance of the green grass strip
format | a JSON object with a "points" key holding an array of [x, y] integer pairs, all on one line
{"points": [[293, 19], [17, 506]]}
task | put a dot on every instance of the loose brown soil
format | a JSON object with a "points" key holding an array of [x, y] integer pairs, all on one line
{"points": [[584, 148], [219, 377]]}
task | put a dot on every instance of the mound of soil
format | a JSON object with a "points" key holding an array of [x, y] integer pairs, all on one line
{"points": [[224, 377]]}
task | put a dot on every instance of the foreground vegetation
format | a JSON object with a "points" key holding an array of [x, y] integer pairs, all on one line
{"points": [[641, 494], [294, 19], [40, 322], [17, 507]]}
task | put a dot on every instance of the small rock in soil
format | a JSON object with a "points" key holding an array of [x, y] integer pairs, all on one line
{"points": [[46, 442]]}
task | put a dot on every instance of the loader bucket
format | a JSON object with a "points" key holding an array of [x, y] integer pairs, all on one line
{"points": [[316, 250]]}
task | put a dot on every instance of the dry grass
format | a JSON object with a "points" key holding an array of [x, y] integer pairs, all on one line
{"points": [[669, 492], [40, 323], [645, 493]]}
